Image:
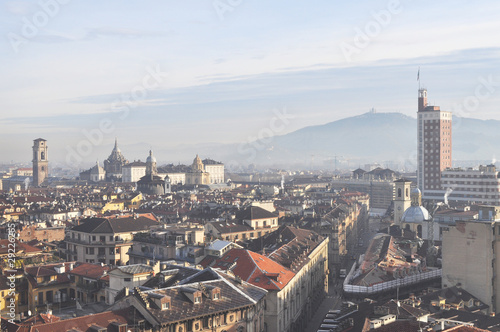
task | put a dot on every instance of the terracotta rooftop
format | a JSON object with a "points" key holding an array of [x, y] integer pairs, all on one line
{"points": [[88, 270], [20, 247], [254, 268], [107, 319]]}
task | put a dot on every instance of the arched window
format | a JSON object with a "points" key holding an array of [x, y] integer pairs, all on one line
{"points": [[42, 156], [399, 192], [419, 231]]}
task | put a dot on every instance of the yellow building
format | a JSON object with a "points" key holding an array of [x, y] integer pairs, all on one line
{"points": [[48, 284], [116, 205]]}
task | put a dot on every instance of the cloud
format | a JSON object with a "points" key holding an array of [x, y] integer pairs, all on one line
{"points": [[94, 34], [104, 32]]}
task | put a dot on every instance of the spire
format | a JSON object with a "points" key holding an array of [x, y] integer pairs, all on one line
{"points": [[116, 143]]}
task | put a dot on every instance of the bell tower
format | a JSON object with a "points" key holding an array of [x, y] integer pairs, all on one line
{"points": [[402, 201], [40, 162]]}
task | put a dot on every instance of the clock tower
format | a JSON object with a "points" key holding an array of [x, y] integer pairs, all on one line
{"points": [[40, 162], [402, 200]]}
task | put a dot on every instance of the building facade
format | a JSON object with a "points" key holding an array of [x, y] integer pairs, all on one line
{"points": [[40, 162], [129, 276], [381, 191], [469, 257], [479, 186], [134, 171], [215, 170], [402, 200], [434, 143], [105, 240], [295, 274]]}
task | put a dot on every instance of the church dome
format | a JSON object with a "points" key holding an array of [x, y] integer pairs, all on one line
{"points": [[197, 165], [151, 158], [197, 160], [415, 214], [416, 191]]}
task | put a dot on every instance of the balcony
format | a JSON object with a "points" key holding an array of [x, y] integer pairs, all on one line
{"points": [[108, 243]]}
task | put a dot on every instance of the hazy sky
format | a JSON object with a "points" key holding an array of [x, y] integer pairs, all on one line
{"points": [[167, 73]]}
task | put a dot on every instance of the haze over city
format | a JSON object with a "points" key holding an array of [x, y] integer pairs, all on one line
{"points": [[171, 74], [249, 166]]}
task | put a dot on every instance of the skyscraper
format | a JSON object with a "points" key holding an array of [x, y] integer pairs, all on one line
{"points": [[434, 146], [40, 161]]}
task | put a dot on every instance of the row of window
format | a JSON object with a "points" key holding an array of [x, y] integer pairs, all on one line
{"points": [[101, 251], [94, 238]]}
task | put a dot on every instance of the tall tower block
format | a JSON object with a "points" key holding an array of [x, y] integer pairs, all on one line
{"points": [[40, 162], [433, 145]]}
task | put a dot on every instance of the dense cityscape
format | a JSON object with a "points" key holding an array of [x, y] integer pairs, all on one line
{"points": [[137, 246], [247, 166]]}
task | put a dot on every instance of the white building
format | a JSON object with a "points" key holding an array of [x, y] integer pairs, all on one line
{"points": [[215, 170], [60, 215], [175, 177], [134, 171], [472, 185], [129, 276], [97, 173]]}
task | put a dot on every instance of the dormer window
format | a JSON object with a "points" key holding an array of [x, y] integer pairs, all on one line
{"points": [[165, 306], [215, 293], [192, 294]]}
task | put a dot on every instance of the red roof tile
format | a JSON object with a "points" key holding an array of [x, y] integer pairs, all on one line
{"points": [[255, 269], [93, 271]]}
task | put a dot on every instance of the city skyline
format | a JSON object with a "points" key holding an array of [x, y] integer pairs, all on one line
{"points": [[216, 72]]}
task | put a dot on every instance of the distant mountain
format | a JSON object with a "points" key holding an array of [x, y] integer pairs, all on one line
{"points": [[389, 138]]}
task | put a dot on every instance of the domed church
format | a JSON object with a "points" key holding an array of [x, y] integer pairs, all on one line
{"points": [[151, 183], [416, 216], [113, 165], [197, 174]]}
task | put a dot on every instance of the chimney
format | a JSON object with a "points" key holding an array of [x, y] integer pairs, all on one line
{"points": [[156, 267], [127, 291]]}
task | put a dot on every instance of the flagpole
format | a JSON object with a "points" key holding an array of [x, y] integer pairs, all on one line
{"points": [[418, 78]]}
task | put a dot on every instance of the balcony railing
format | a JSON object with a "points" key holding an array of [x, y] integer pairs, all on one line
{"points": [[96, 243]]}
